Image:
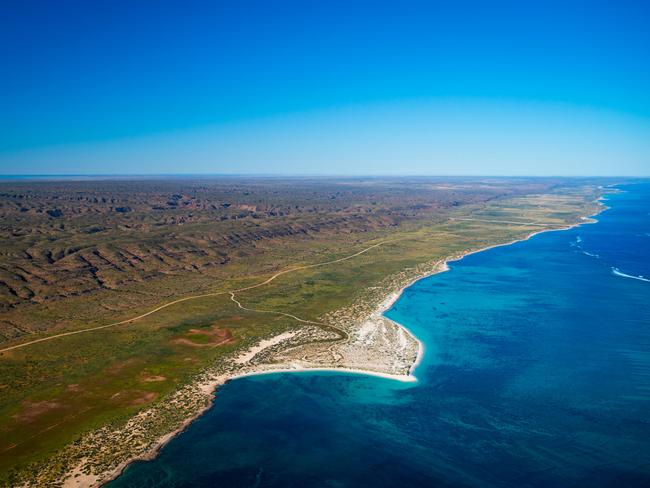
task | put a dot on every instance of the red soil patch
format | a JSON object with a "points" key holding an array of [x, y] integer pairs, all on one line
{"points": [[144, 397], [32, 410], [215, 336]]}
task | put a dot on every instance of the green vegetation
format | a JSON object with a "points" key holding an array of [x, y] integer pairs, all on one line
{"points": [[54, 391]]}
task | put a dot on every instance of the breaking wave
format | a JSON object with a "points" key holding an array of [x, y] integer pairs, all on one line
{"points": [[617, 272]]}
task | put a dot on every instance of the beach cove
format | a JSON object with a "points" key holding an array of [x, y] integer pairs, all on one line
{"points": [[522, 368]]}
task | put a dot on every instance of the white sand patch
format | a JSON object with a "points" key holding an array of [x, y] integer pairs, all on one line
{"points": [[246, 356]]}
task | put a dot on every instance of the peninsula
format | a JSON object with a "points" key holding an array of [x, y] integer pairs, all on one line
{"points": [[115, 336]]}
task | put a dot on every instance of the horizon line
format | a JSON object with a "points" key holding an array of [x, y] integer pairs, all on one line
{"points": [[11, 176]]}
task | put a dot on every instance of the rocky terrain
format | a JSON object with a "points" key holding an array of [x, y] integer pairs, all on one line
{"points": [[73, 238], [124, 303]]}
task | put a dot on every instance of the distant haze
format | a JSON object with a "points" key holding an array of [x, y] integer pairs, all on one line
{"points": [[454, 138]]}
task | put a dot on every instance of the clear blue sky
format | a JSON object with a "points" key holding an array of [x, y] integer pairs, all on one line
{"points": [[449, 87]]}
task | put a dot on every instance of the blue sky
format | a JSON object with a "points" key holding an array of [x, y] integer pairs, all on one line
{"points": [[325, 87]]}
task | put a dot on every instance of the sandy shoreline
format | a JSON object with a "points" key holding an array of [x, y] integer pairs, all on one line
{"points": [[210, 387]]}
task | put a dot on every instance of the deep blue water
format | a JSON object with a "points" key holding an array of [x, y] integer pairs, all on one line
{"points": [[536, 373]]}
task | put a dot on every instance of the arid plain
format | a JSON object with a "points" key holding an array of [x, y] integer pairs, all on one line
{"points": [[125, 302]]}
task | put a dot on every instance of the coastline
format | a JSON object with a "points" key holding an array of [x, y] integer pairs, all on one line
{"points": [[443, 266], [211, 386]]}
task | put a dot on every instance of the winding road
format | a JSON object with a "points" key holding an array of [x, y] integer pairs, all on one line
{"points": [[206, 295]]}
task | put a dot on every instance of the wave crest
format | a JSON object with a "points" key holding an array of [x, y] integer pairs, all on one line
{"points": [[618, 272]]}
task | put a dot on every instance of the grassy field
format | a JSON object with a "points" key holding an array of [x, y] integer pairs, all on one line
{"points": [[52, 392]]}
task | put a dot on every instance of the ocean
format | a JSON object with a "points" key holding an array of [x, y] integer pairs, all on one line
{"points": [[536, 373]]}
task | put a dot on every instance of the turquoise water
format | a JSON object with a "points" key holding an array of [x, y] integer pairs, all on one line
{"points": [[536, 373]]}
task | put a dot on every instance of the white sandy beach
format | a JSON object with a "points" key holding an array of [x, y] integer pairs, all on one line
{"points": [[375, 346]]}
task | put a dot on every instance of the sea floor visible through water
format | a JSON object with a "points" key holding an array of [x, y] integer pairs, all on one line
{"points": [[536, 372]]}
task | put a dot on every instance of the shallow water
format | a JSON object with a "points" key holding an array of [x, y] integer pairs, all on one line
{"points": [[536, 373]]}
